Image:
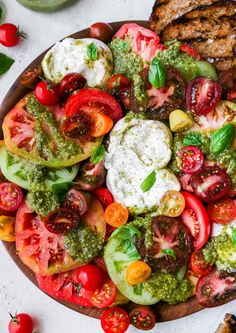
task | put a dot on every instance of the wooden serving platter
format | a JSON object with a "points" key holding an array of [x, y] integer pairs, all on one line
{"points": [[164, 311]]}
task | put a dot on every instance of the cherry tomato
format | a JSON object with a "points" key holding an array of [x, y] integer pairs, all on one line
{"points": [[100, 262], [195, 217], [190, 51], [77, 126], [21, 323], [70, 83], [211, 183], [198, 264], [104, 196], [90, 276], [172, 204], [104, 296], [117, 81], [30, 77], [91, 176], [61, 220], [202, 95], [115, 320], [10, 34], [11, 197], [102, 31], [190, 159], [222, 211], [77, 201], [116, 214], [101, 124], [47, 93], [142, 317], [7, 228]]}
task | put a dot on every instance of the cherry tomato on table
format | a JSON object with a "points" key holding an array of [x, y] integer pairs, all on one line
{"points": [[70, 83], [102, 31], [190, 159], [116, 214], [10, 34], [104, 196], [222, 211], [104, 296], [115, 320], [61, 221], [21, 323], [198, 264], [11, 196], [142, 317], [47, 93], [90, 276]]}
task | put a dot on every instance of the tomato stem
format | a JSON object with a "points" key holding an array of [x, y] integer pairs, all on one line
{"points": [[21, 34], [13, 318]]}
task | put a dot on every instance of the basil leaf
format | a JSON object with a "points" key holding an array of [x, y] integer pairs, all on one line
{"points": [[98, 154], [138, 289], [60, 190], [92, 52], [120, 265], [234, 236], [157, 74], [169, 252], [148, 182], [222, 138], [5, 63], [193, 139]]}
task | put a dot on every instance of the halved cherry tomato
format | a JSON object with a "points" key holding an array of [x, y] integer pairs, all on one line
{"points": [[222, 211], [195, 217], [47, 93], [102, 31], [172, 204], [90, 276], [142, 317], [116, 214], [190, 51], [202, 95], [61, 221], [115, 320], [117, 81], [11, 196], [77, 201], [104, 296], [198, 264], [104, 196], [210, 183], [70, 83], [101, 124], [137, 272], [91, 176], [92, 100], [21, 323], [77, 126], [190, 159], [30, 77], [7, 228]]}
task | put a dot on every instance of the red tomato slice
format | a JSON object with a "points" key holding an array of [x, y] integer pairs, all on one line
{"points": [[64, 286], [195, 217], [104, 196], [93, 100], [144, 42], [202, 95], [223, 211], [105, 296], [115, 320], [199, 265], [191, 159], [70, 83], [190, 51], [61, 221], [11, 197]]}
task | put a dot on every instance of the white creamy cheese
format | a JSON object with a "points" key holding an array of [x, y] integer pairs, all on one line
{"points": [[71, 55], [137, 147]]}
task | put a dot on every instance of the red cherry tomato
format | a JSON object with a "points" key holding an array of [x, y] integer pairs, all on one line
{"points": [[11, 197], [211, 183], [104, 296], [115, 320], [190, 159], [47, 93], [198, 264], [190, 51], [61, 220], [102, 31], [78, 201], [142, 317], [90, 276], [222, 211], [104, 196], [21, 323], [195, 217], [117, 81], [10, 34], [70, 83], [31, 76], [202, 95]]}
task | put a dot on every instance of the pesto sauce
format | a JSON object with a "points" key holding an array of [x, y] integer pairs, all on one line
{"points": [[145, 223]]}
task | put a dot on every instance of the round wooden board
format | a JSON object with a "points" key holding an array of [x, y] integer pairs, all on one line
{"points": [[164, 311]]}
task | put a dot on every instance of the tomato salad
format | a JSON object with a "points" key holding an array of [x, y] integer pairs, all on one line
{"points": [[118, 176]]}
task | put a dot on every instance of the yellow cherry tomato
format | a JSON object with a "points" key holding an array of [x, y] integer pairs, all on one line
{"points": [[137, 272], [172, 204], [7, 228]]}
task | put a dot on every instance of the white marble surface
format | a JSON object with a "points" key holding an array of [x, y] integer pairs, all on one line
{"points": [[16, 291]]}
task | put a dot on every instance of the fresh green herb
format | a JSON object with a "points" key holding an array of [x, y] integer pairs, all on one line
{"points": [[157, 74], [148, 182], [138, 289], [92, 52], [222, 138], [169, 252], [98, 154], [60, 190], [193, 139], [234, 236], [5, 63]]}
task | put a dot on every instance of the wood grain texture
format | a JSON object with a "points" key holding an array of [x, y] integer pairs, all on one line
{"points": [[163, 311]]}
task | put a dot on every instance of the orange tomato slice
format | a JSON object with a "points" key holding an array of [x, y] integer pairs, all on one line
{"points": [[102, 124], [116, 214], [172, 204]]}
